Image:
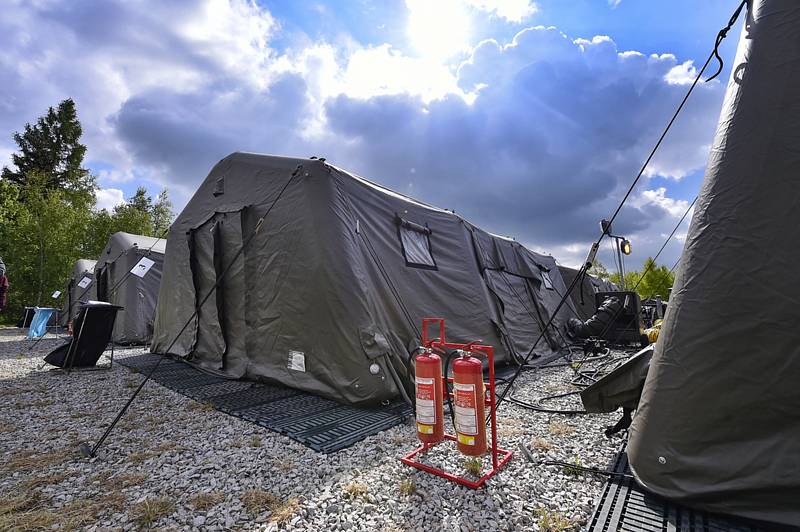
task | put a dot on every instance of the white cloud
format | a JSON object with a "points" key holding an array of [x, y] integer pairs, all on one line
{"points": [[545, 130], [683, 74], [659, 197], [108, 198], [510, 10], [614, 3], [383, 70]]}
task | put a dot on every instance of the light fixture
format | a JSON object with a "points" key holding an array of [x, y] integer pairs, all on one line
{"points": [[625, 246]]}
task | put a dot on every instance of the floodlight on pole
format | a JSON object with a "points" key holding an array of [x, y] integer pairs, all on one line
{"points": [[625, 246]]}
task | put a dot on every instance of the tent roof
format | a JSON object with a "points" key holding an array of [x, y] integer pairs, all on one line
{"points": [[82, 266], [122, 242]]}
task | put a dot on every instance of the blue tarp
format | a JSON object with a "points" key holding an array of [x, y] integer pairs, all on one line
{"points": [[38, 326]]}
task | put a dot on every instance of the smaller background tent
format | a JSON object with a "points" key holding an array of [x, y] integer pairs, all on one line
{"points": [[74, 293], [137, 295]]}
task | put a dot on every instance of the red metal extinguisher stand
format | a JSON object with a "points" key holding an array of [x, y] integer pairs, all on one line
{"points": [[499, 456]]}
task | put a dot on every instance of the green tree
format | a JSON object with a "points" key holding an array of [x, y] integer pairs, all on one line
{"points": [[47, 216], [656, 282], [42, 241], [134, 216], [50, 150], [162, 214], [599, 270]]}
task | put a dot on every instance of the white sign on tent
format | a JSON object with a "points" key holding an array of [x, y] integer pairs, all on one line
{"points": [[86, 281], [142, 267]]}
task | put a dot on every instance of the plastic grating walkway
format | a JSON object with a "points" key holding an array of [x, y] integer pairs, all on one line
{"points": [[625, 506], [321, 424]]}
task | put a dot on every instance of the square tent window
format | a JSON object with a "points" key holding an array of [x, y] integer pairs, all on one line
{"points": [[416, 244], [548, 283]]}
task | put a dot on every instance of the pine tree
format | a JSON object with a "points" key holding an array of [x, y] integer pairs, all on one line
{"points": [[51, 148]]}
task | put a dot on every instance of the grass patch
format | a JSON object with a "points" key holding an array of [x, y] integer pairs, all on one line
{"points": [[18, 503], [44, 480], [30, 460], [205, 501], [150, 510], [138, 458], [575, 468], [407, 487], [355, 490], [7, 428], [153, 421], [553, 521], [284, 511], [284, 465], [558, 428], [131, 383], [258, 500], [169, 446], [26, 512], [126, 480], [255, 441], [540, 444], [473, 466], [203, 407]]}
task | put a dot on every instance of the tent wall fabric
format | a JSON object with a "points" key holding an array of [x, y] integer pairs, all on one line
{"points": [[718, 425], [583, 296], [74, 294], [136, 295], [329, 294]]}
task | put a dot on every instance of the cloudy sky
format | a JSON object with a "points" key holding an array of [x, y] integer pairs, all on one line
{"points": [[528, 118]]}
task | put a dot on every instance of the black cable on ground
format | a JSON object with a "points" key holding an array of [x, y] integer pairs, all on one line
{"points": [[89, 451]]}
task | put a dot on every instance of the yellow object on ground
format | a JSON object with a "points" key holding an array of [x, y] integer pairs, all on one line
{"points": [[653, 332]]}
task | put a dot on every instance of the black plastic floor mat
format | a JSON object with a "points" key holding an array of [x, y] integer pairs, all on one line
{"points": [[321, 424], [626, 506]]}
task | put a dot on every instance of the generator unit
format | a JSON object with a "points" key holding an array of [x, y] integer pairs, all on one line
{"points": [[626, 327]]}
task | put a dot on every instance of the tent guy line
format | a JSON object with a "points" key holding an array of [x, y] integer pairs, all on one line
{"points": [[89, 451]]}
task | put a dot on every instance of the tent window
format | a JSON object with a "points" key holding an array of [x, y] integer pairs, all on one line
{"points": [[416, 244], [548, 283]]}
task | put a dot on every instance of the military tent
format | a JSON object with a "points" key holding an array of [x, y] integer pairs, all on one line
{"points": [[136, 292], [82, 274], [583, 295], [718, 425], [329, 294]]}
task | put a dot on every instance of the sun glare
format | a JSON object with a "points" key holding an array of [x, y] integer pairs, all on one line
{"points": [[438, 29]]}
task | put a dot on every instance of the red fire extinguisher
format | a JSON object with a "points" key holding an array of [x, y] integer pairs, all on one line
{"points": [[470, 398], [429, 396]]}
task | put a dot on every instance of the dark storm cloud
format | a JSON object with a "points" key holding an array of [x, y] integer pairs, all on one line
{"points": [[557, 132]]}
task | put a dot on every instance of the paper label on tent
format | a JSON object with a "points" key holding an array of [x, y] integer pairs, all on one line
{"points": [[466, 411], [142, 267], [426, 411], [297, 361], [56, 294], [86, 281]]}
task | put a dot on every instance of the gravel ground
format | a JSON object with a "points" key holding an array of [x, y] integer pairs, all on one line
{"points": [[173, 464]]}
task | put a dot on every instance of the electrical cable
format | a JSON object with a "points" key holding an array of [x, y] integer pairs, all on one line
{"points": [[84, 447]]}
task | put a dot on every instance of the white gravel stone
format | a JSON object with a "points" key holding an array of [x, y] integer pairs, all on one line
{"points": [[167, 447]]}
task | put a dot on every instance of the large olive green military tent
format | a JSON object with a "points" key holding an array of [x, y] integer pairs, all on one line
{"points": [[718, 425], [136, 292], [329, 294], [80, 287]]}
